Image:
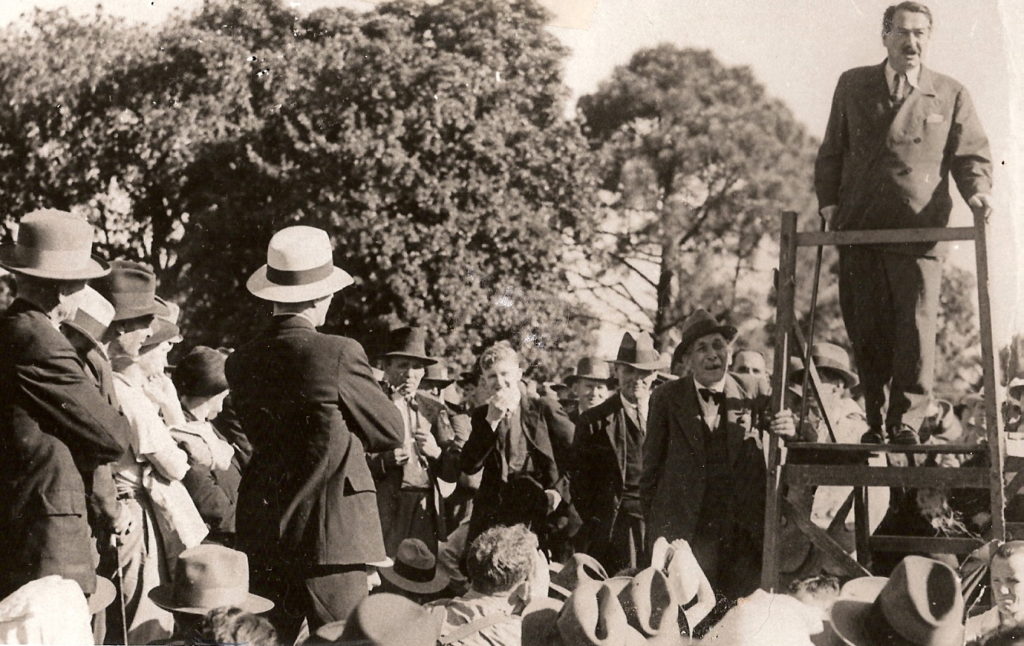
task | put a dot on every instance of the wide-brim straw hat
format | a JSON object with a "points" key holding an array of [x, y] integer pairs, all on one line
{"points": [[415, 569], [300, 267], [93, 316], [208, 577], [829, 357], [54, 245]]}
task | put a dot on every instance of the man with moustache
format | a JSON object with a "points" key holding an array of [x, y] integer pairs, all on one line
{"points": [[703, 477], [608, 446], [590, 383], [896, 132]]}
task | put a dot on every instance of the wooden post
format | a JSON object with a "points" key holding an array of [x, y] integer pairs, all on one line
{"points": [[784, 320], [862, 526], [996, 439]]}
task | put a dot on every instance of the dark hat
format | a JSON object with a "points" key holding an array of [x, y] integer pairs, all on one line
{"points": [[93, 316], [701, 323], [165, 326], [829, 357], [208, 577], [415, 569], [55, 245], [131, 288], [593, 616], [590, 368], [638, 352], [437, 374], [920, 604], [200, 373], [389, 620], [579, 567], [410, 343]]}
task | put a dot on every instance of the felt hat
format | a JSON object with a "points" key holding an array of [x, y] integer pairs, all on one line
{"points": [[415, 569], [93, 316], [638, 351], [165, 326], [200, 373], [300, 267], [208, 577], [592, 368], [131, 289], [387, 620], [408, 343], [699, 324], [648, 602], [55, 245], [578, 567], [593, 616], [540, 623], [437, 374], [829, 357], [920, 604]]}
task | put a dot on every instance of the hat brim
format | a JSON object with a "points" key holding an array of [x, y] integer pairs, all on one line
{"points": [[652, 366], [442, 383], [438, 583], [163, 597], [849, 378], [103, 596], [424, 359], [163, 331], [261, 287], [88, 335], [572, 379], [728, 331], [95, 268]]}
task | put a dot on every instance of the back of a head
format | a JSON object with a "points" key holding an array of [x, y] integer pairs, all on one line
{"points": [[231, 625], [500, 559]]}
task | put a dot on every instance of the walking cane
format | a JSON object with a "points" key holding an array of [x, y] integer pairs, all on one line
{"points": [[810, 331], [120, 589]]}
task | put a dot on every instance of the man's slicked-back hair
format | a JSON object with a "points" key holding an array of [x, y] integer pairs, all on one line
{"points": [[500, 351], [500, 559], [907, 5]]}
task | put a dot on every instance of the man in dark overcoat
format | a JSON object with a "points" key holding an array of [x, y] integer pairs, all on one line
{"points": [[307, 508], [896, 132], [704, 468], [608, 449], [55, 426]]}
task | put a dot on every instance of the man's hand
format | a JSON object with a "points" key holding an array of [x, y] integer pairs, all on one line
{"points": [[783, 424], [981, 204], [426, 443], [122, 525], [499, 405], [828, 213], [396, 457]]}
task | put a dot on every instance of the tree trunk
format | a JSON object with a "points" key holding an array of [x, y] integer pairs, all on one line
{"points": [[668, 292]]}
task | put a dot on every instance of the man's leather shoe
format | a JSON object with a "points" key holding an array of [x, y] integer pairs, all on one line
{"points": [[903, 435], [872, 436]]}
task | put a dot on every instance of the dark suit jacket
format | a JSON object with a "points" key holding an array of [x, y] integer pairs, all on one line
{"points": [[308, 403], [480, 453], [54, 426], [888, 171], [673, 482], [598, 476]]}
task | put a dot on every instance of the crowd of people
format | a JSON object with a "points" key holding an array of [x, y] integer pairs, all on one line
{"points": [[295, 490]]}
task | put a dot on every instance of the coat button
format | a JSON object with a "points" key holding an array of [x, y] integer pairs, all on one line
{"points": [[917, 140], [904, 171]]}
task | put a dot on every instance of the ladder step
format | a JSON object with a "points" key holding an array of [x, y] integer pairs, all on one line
{"points": [[917, 449], [940, 545], [882, 236], [865, 476]]}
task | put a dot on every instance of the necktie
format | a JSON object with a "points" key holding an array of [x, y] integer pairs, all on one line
{"points": [[641, 413], [900, 89]]}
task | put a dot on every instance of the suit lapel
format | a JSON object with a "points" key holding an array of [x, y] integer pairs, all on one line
{"points": [[691, 420], [916, 106], [617, 437]]}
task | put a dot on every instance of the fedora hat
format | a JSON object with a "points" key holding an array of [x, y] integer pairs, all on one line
{"points": [[593, 616], [590, 368], [638, 352], [300, 267], [648, 602], [389, 620], [55, 245], [701, 323], [829, 357], [165, 326], [208, 577], [437, 374], [408, 343], [920, 604], [577, 568], [415, 569], [93, 316], [131, 289]]}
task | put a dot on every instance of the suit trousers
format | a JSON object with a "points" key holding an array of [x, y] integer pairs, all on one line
{"points": [[624, 549], [890, 303]]}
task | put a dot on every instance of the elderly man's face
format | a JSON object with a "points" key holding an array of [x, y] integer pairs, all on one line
{"points": [[709, 358], [635, 384], [749, 362], [1008, 588], [131, 336], [907, 41]]}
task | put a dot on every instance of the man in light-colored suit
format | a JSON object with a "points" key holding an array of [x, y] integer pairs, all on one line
{"points": [[896, 133], [703, 477]]}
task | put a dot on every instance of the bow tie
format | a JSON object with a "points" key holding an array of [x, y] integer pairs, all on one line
{"points": [[709, 395]]}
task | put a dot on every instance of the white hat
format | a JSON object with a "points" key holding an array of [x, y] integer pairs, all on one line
{"points": [[300, 267], [93, 316]]}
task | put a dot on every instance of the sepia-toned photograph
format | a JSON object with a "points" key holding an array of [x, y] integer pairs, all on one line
{"points": [[512, 322]]}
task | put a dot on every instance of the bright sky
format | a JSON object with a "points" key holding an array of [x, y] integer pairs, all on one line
{"points": [[797, 48]]}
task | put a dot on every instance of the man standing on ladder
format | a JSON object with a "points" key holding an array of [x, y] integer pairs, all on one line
{"points": [[896, 132]]}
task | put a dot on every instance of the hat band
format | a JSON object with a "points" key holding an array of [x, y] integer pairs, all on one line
{"points": [[63, 259], [415, 574], [294, 278], [211, 597]]}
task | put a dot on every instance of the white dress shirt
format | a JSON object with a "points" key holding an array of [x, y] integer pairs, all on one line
{"points": [[710, 409]]}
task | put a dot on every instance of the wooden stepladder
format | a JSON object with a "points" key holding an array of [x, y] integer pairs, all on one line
{"points": [[822, 464]]}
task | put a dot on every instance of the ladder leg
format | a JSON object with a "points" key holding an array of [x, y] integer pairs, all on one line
{"points": [[862, 524]]}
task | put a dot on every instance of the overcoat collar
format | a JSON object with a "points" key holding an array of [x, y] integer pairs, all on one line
{"points": [[291, 322]]}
